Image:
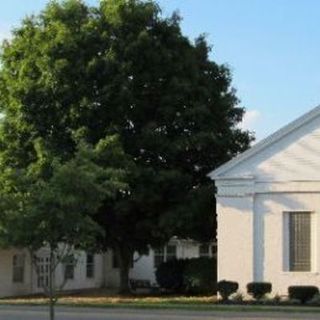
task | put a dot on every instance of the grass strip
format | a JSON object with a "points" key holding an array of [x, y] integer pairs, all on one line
{"points": [[171, 306]]}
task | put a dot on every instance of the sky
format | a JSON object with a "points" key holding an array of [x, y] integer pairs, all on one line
{"points": [[271, 47]]}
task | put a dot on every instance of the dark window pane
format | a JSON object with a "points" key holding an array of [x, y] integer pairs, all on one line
{"points": [[204, 250], [90, 265], [158, 257], [69, 268], [18, 268]]}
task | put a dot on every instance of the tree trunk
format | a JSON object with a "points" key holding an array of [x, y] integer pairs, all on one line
{"points": [[52, 298], [125, 257]]}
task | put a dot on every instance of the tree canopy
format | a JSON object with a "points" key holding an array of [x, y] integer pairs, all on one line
{"points": [[122, 68]]}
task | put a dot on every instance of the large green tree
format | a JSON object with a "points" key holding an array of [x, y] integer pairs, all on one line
{"points": [[122, 68]]}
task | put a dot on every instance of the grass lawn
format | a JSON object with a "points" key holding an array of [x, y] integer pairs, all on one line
{"points": [[103, 299]]}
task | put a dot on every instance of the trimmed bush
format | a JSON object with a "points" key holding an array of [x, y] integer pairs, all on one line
{"points": [[200, 276], [169, 275], [227, 288], [302, 293], [259, 289]]}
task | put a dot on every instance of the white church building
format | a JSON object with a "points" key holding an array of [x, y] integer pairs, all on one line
{"points": [[268, 206]]}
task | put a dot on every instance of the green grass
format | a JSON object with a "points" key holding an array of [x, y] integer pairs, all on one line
{"points": [[101, 300]]}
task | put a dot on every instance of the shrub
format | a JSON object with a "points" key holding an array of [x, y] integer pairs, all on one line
{"points": [[259, 289], [169, 275], [237, 297], [315, 300], [302, 293], [200, 276], [227, 288]]}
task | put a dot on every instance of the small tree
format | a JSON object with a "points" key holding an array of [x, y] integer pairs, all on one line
{"points": [[50, 204]]}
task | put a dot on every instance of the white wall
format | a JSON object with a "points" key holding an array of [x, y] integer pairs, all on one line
{"points": [[80, 280], [29, 285], [253, 237], [7, 286], [273, 257], [143, 268], [235, 246]]}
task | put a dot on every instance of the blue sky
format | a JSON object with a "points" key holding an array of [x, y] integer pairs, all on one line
{"points": [[272, 48]]}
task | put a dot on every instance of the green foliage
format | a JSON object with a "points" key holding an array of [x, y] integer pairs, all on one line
{"points": [[51, 203], [170, 275], [37, 210], [200, 276], [121, 68], [192, 276], [227, 288], [302, 293], [259, 289]]}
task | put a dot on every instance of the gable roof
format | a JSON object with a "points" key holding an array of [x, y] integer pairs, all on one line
{"points": [[278, 135]]}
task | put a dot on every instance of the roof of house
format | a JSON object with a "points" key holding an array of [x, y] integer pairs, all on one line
{"points": [[281, 133]]}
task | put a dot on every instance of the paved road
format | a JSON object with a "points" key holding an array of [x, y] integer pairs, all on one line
{"points": [[40, 313]]}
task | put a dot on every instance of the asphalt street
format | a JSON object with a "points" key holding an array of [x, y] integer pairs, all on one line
{"points": [[41, 313]]}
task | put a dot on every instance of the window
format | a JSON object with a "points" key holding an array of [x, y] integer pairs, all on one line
{"points": [[207, 251], [158, 257], [43, 265], [300, 241], [18, 268], [164, 254], [69, 268], [214, 250], [90, 265], [171, 252], [204, 250]]}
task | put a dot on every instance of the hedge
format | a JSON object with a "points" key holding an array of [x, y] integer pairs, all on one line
{"points": [[200, 276], [191, 276], [169, 275], [302, 293]]}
